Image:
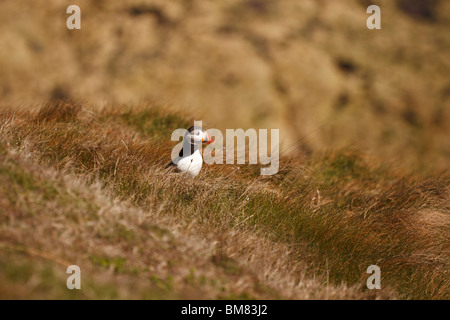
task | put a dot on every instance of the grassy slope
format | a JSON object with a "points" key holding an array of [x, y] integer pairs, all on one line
{"points": [[316, 225], [51, 219]]}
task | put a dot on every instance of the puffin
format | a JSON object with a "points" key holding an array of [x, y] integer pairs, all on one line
{"points": [[189, 160]]}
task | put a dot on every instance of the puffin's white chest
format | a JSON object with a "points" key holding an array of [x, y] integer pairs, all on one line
{"points": [[191, 164]]}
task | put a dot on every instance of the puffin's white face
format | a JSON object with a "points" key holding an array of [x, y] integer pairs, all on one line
{"points": [[197, 135]]}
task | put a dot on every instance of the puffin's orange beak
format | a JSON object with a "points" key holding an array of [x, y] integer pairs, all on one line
{"points": [[209, 141]]}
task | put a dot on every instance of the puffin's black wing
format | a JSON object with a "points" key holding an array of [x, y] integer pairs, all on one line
{"points": [[171, 164]]}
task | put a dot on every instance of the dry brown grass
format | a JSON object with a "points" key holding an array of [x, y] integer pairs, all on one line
{"points": [[363, 117], [53, 218], [321, 221]]}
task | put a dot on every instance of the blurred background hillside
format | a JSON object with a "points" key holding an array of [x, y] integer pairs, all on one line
{"points": [[309, 67]]}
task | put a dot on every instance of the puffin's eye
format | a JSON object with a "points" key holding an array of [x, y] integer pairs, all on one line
{"points": [[197, 133]]}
